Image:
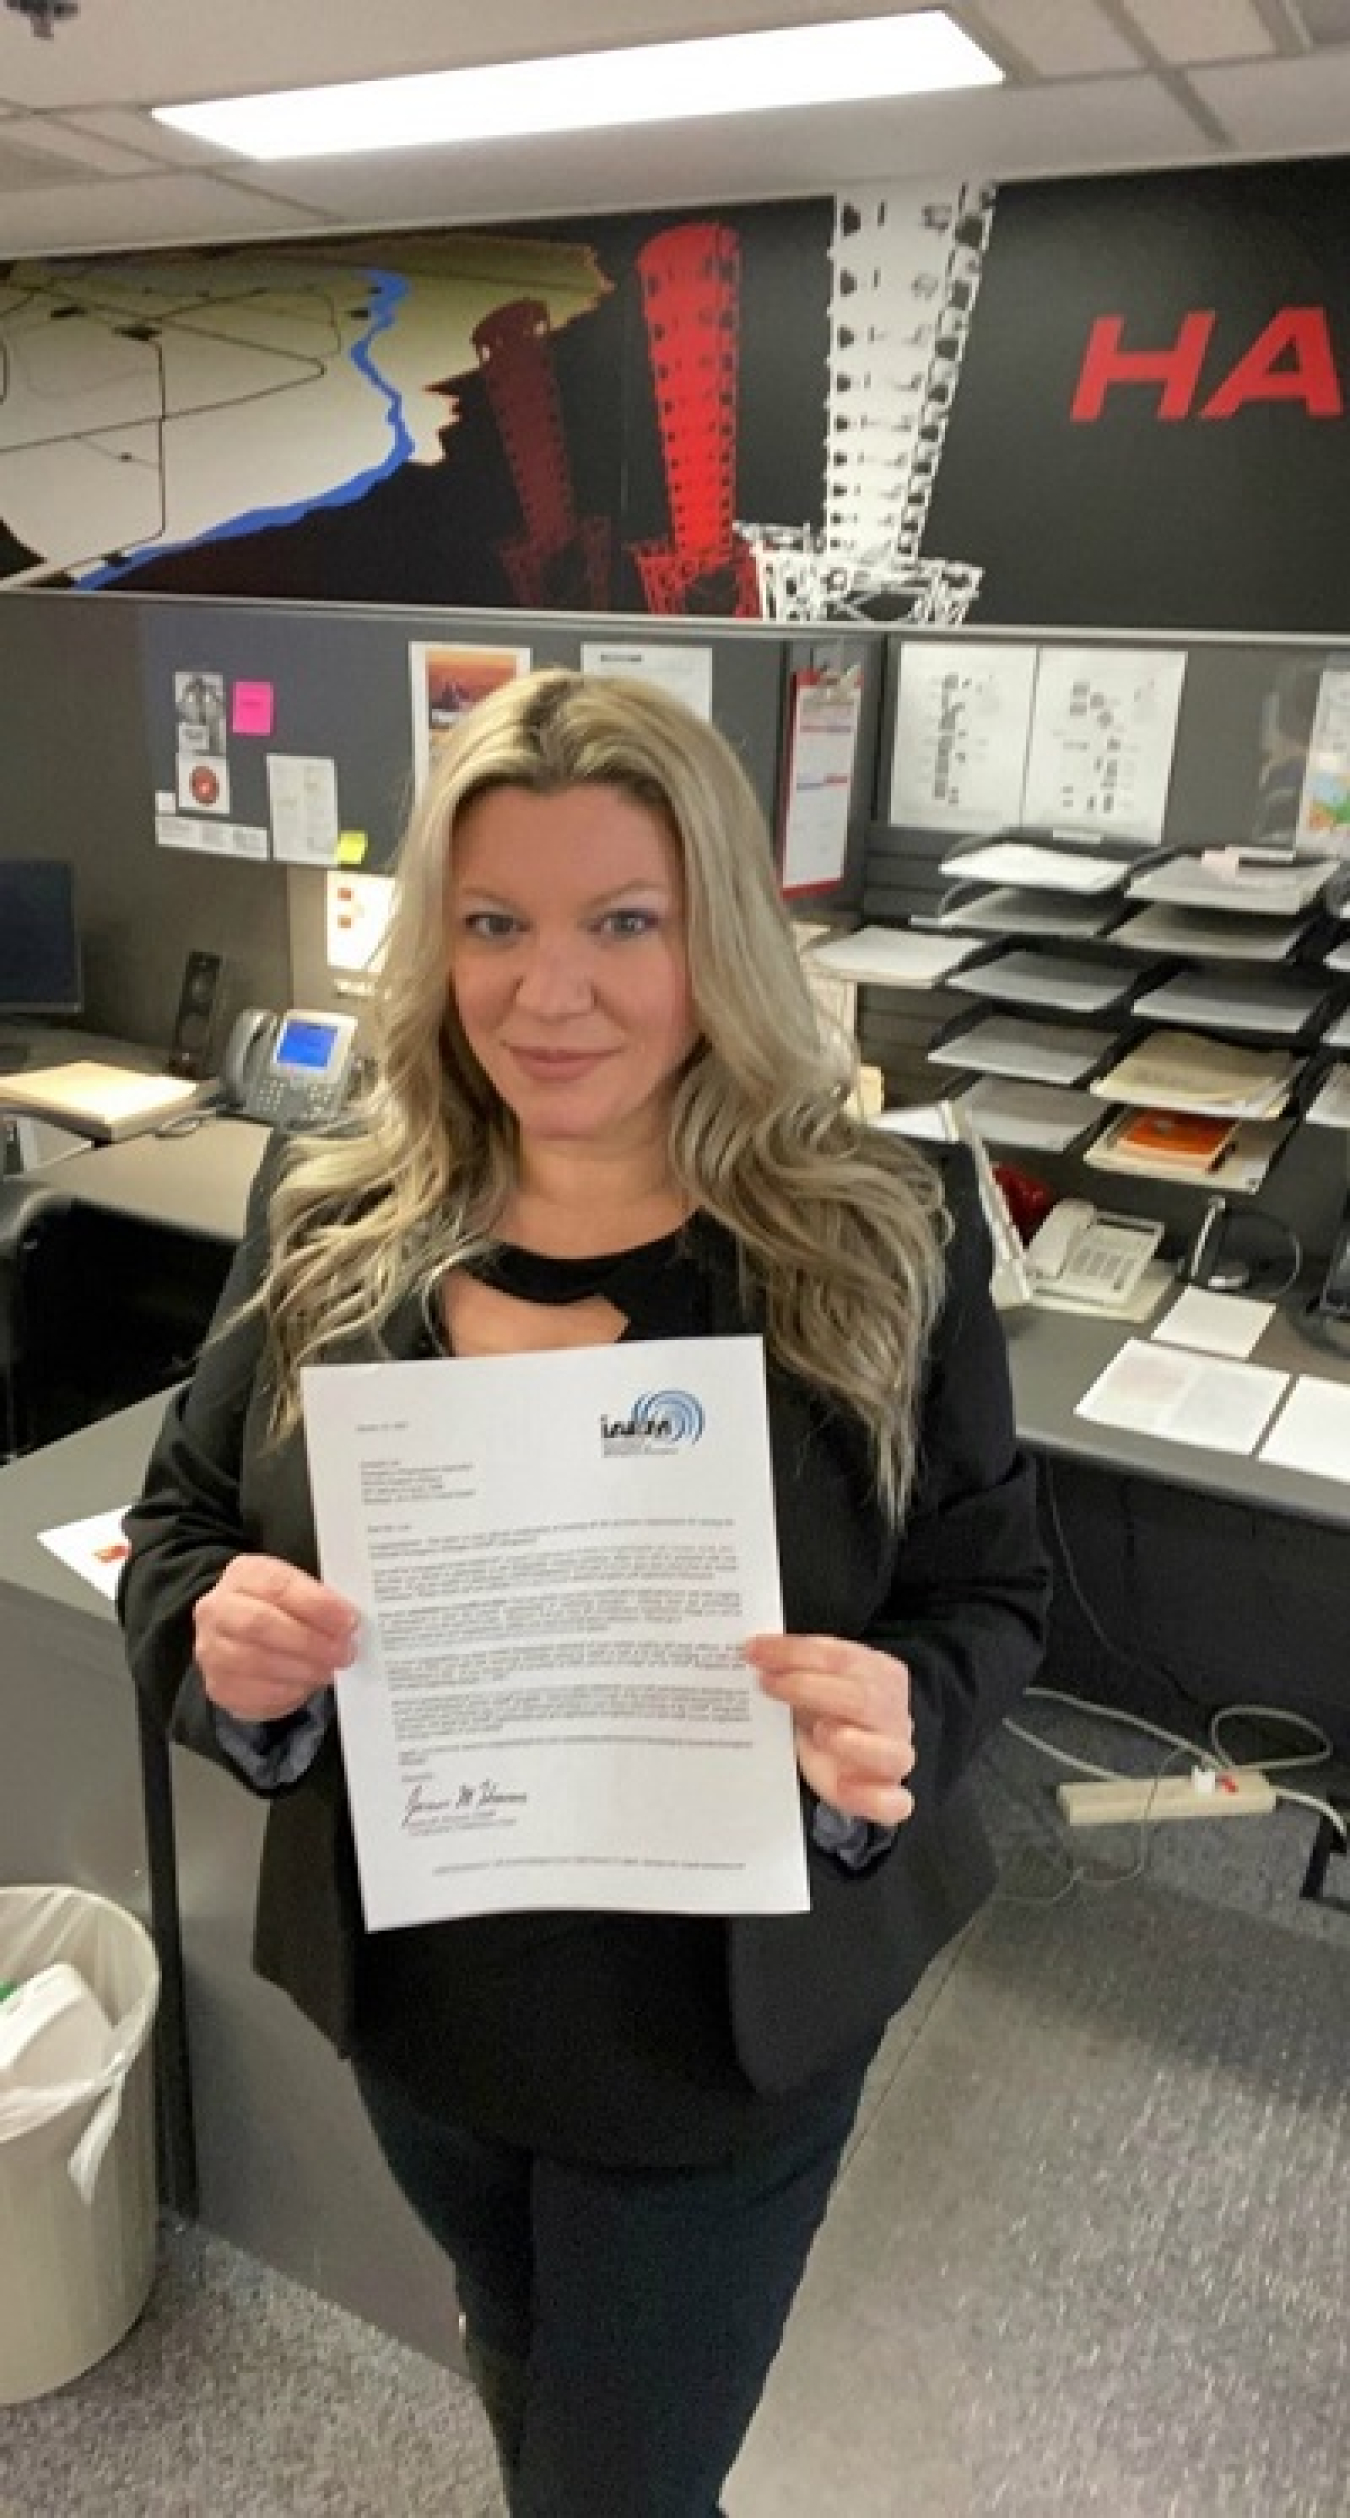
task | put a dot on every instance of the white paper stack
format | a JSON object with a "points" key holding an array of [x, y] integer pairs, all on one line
{"points": [[1045, 1053], [1207, 935], [1023, 862], [1005, 911], [1226, 879], [1188, 1071], [890, 957], [1036, 1118], [1079, 985], [1247, 1001]]}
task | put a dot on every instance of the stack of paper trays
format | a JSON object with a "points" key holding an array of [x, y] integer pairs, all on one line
{"points": [[1045, 1053], [1279, 1002], [1188, 1071], [1226, 878], [1022, 862], [890, 957], [1204, 935], [1069, 980], [1006, 911]]}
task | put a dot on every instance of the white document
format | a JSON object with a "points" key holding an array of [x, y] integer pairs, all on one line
{"points": [[1312, 1430], [209, 839], [557, 1559], [1188, 1071], [303, 799], [961, 722], [684, 673], [96, 1547], [1184, 1398], [1103, 731], [1043, 1053], [1219, 1324]]}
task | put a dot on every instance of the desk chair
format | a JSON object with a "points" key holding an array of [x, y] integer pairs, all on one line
{"points": [[35, 1295]]}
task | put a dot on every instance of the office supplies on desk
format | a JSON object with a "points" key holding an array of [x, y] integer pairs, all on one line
{"points": [[95, 1100], [1215, 1324]]}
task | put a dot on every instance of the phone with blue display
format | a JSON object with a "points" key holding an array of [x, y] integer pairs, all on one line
{"points": [[291, 1070]]}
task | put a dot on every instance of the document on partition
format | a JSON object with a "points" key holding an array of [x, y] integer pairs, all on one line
{"points": [[962, 716], [822, 749], [1103, 733], [1324, 804], [557, 1559]]}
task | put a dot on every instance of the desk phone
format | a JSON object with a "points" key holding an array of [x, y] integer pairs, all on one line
{"points": [[288, 1070]]}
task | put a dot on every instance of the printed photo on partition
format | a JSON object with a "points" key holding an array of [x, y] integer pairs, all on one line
{"points": [[448, 681]]}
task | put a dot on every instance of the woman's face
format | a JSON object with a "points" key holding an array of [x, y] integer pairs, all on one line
{"points": [[568, 963]]}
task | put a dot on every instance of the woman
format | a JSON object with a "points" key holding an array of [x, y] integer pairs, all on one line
{"points": [[605, 1111]]}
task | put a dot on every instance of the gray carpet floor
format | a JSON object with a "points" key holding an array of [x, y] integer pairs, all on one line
{"points": [[1087, 2253]]}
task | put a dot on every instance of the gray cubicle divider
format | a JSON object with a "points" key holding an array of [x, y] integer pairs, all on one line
{"points": [[92, 747]]}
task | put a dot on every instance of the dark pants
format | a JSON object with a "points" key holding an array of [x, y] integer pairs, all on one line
{"points": [[620, 2322]]}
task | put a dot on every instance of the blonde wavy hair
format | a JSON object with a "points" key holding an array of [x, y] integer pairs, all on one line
{"points": [[839, 1230]]}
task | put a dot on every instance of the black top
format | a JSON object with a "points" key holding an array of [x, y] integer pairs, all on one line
{"points": [[593, 2035]]}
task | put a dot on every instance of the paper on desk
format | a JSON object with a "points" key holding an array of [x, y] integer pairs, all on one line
{"points": [[557, 1559], [1219, 1324], [96, 1547], [1182, 1398], [1312, 1430]]}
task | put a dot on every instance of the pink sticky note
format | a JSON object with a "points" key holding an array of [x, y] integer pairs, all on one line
{"points": [[253, 702]]}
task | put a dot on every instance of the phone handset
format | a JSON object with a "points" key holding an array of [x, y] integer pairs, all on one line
{"points": [[289, 1070]]}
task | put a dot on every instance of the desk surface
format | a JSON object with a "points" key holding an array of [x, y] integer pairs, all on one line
{"points": [[197, 1183], [200, 1183]]}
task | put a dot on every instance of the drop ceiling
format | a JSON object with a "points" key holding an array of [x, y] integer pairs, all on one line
{"points": [[1092, 85]]}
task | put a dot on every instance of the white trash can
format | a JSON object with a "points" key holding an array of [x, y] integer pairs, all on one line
{"points": [[77, 2159]]}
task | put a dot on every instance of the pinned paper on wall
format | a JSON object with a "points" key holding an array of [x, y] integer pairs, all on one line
{"points": [[822, 748], [253, 708], [1103, 735], [686, 673], [357, 908], [303, 795], [962, 721]]}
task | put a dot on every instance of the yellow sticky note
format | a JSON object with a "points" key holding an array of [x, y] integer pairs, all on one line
{"points": [[351, 847]]}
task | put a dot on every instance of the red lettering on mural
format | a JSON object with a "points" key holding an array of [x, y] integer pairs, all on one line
{"points": [[1176, 369], [1292, 360], [1298, 334]]}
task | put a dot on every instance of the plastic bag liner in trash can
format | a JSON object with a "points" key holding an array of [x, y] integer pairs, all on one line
{"points": [[77, 2158]]}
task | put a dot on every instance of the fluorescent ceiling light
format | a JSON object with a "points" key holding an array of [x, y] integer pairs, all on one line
{"points": [[845, 62]]}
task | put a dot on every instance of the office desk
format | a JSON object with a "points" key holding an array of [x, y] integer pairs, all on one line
{"points": [[91, 1795], [190, 1184], [1231, 1575]]}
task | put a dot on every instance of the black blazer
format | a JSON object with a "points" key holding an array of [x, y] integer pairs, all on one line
{"points": [[960, 1593]]}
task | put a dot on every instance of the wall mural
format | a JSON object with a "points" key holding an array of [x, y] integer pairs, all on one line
{"points": [[1117, 401]]}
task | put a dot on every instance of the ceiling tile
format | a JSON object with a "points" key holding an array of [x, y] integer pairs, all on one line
{"points": [[1284, 107], [1184, 31], [1060, 43], [68, 151], [146, 210]]}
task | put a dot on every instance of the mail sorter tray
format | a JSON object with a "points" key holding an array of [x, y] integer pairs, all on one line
{"points": [[1071, 983], [1036, 864], [1263, 1004], [1001, 910], [1035, 1052]]}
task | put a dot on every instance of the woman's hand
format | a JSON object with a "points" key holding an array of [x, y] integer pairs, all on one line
{"points": [[268, 1637], [850, 1717]]}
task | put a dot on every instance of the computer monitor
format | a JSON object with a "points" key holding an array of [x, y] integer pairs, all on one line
{"points": [[40, 968]]}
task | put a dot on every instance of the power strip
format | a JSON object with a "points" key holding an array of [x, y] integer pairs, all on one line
{"points": [[1206, 1793]]}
